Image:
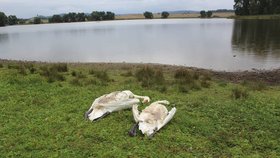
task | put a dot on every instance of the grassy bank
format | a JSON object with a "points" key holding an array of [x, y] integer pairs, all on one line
{"points": [[259, 17], [42, 107]]}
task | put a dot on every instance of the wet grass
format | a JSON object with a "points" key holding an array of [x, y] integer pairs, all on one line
{"points": [[45, 119]]}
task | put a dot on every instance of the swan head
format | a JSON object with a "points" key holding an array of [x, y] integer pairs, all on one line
{"points": [[146, 99]]}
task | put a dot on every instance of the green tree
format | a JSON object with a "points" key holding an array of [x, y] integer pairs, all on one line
{"points": [[164, 15], [55, 19], [12, 20], [203, 14], [81, 17], [148, 15], [109, 16], [209, 14], [3, 19], [241, 7], [95, 16], [72, 17], [37, 20], [65, 18]]}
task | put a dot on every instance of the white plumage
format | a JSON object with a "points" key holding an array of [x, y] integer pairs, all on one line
{"points": [[114, 101], [152, 118]]}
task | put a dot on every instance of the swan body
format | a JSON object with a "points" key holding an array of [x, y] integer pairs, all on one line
{"points": [[152, 118], [114, 101]]}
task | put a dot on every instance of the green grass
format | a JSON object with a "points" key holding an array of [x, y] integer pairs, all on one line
{"points": [[46, 119], [264, 17]]}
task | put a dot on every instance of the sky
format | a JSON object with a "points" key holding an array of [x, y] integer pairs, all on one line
{"points": [[31, 8]]}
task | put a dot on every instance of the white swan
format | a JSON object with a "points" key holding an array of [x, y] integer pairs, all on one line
{"points": [[152, 118], [114, 101]]}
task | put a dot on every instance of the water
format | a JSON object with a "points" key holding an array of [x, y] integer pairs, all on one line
{"points": [[219, 44]]}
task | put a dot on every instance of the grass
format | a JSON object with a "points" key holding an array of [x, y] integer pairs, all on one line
{"points": [[43, 119], [260, 17]]}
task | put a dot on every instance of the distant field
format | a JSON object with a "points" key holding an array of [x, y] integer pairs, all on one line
{"points": [[187, 15]]}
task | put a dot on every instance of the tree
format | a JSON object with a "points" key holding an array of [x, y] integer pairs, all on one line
{"points": [[109, 16], [241, 7], [164, 15], [95, 16], [12, 20], [3, 19], [72, 17], [256, 7], [209, 14], [55, 19], [81, 17], [37, 20], [148, 15], [65, 18], [203, 14]]}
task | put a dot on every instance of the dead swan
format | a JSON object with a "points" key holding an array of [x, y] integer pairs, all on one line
{"points": [[114, 101], [152, 118]]}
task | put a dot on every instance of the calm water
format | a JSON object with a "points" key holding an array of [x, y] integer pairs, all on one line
{"points": [[220, 44]]}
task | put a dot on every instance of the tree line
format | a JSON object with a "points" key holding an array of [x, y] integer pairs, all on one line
{"points": [[8, 20], [204, 14], [80, 17], [256, 7]]}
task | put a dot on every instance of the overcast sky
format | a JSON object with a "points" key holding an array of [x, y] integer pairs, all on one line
{"points": [[30, 8]]}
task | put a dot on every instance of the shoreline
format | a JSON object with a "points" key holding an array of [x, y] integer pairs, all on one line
{"points": [[271, 77]]}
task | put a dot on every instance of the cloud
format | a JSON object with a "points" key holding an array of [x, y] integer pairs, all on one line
{"points": [[30, 8]]}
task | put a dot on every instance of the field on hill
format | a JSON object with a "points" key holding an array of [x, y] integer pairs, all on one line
{"points": [[42, 112], [181, 15]]}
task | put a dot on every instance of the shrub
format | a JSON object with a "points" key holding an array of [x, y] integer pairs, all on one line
{"points": [[102, 75], [240, 93], [222, 84], [148, 76], [162, 89], [22, 70], [51, 74], [74, 73], [183, 88], [1, 65], [13, 66], [195, 85], [184, 76], [60, 67], [148, 15], [76, 82], [80, 75], [259, 86], [205, 84], [164, 15], [127, 74], [30, 67], [256, 86]]}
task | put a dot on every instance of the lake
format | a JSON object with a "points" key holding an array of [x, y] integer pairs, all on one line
{"points": [[219, 44]]}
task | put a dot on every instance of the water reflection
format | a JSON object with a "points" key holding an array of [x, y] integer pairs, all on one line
{"points": [[260, 38], [4, 38], [205, 43]]}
